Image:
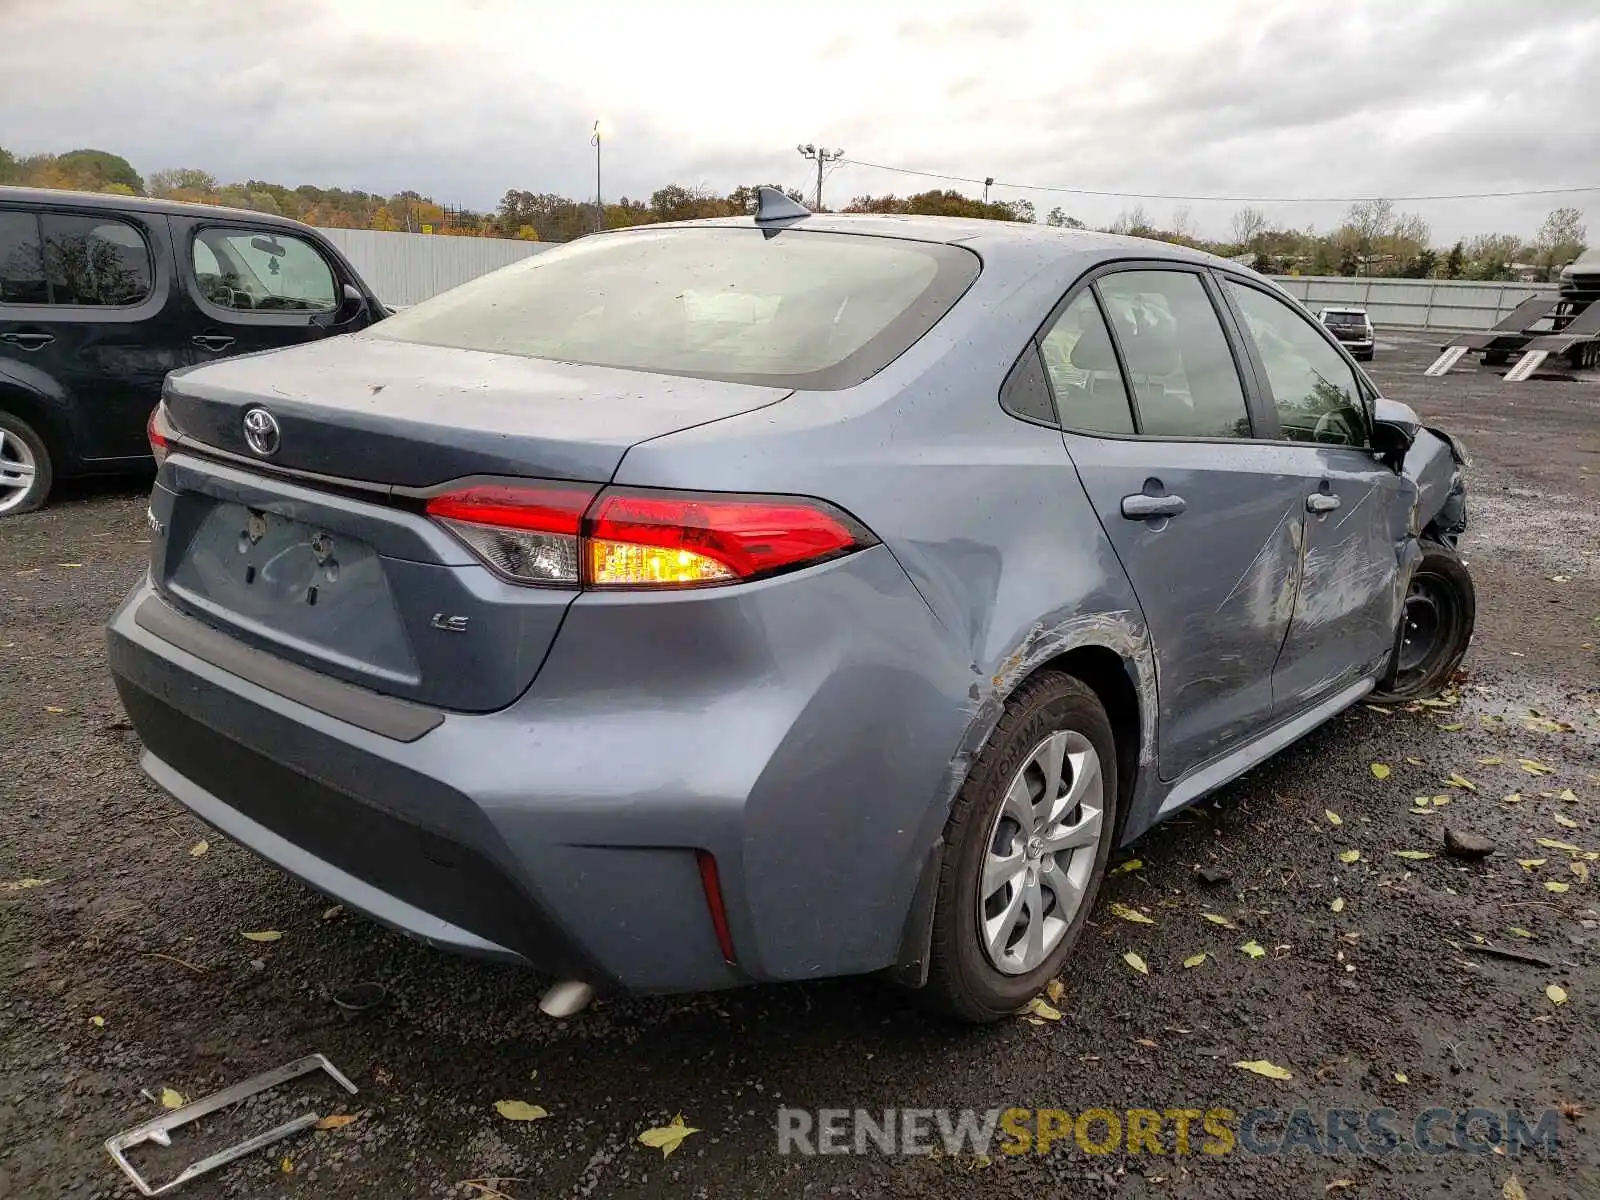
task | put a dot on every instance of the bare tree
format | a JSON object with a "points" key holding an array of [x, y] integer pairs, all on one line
{"points": [[1248, 224], [1183, 222], [1560, 239], [1133, 221]]}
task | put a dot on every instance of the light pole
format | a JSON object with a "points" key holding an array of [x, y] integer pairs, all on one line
{"points": [[599, 204], [986, 184], [821, 157]]}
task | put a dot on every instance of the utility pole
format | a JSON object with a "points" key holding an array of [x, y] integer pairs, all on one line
{"points": [[599, 204], [821, 157], [986, 184]]}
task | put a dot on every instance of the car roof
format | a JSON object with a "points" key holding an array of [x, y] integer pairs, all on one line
{"points": [[112, 202], [1022, 240]]}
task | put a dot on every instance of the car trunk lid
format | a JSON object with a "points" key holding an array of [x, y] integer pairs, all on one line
{"points": [[320, 553]]}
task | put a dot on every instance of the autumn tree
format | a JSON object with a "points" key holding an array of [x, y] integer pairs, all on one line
{"points": [[1559, 240], [1058, 218], [96, 170]]}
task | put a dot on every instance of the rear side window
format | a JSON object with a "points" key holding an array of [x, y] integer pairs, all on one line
{"points": [[1083, 370], [1183, 374], [799, 309], [253, 270], [94, 261], [21, 260]]}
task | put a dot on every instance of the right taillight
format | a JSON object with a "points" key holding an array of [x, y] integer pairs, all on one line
{"points": [[565, 535]]}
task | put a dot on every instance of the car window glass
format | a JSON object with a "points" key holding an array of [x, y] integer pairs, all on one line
{"points": [[1313, 388], [1183, 373], [1084, 375], [94, 261], [262, 271], [21, 260]]}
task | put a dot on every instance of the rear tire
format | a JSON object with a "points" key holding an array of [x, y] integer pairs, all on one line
{"points": [[1441, 607], [25, 471], [1039, 854]]}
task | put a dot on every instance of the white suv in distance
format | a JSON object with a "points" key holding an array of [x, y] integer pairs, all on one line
{"points": [[1352, 328]]}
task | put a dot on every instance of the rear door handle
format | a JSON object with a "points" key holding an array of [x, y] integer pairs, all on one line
{"points": [[212, 341], [1321, 502], [28, 341], [1140, 507]]}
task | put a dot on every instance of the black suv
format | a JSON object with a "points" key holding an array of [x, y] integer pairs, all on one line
{"points": [[101, 296]]}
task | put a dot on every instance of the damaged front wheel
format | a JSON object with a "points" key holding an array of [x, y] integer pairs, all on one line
{"points": [[1435, 627]]}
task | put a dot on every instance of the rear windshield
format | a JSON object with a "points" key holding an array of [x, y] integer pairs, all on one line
{"points": [[796, 309], [1344, 318]]}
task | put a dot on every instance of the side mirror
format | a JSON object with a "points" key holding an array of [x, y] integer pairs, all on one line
{"points": [[352, 302], [1392, 437]]}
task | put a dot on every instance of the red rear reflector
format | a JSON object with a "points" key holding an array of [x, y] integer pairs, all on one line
{"points": [[643, 538], [713, 890]]}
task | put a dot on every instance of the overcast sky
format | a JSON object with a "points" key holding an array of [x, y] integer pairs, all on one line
{"points": [[463, 100]]}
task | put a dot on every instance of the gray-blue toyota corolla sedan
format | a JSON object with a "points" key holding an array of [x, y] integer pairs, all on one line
{"points": [[740, 601]]}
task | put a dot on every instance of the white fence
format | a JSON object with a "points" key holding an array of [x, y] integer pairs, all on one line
{"points": [[1451, 304], [405, 268]]}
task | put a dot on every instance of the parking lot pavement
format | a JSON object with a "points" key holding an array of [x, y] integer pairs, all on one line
{"points": [[124, 967]]}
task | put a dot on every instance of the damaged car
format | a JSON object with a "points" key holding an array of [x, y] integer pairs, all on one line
{"points": [[754, 600]]}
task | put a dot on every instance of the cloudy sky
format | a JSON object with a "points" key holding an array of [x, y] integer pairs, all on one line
{"points": [[462, 100]]}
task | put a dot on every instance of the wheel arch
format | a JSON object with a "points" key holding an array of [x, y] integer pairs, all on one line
{"points": [[42, 417]]}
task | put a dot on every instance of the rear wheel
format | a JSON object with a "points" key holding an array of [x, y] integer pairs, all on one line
{"points": [[24, 467], [1025, 851], [1436, 626]]}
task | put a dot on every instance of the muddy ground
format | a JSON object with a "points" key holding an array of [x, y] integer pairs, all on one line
{"points": [[134, 929]]}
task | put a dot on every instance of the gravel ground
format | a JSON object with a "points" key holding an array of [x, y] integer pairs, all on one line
{"points": [[125, 969]]}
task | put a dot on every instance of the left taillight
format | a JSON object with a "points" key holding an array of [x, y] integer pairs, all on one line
{"points": [[161, 432], [567, 535]]}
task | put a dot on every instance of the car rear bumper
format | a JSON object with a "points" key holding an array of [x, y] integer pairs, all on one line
{"points": [[809, 760]]}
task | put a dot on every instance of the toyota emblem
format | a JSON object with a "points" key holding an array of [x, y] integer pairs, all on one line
{"points": [[261, 432]]}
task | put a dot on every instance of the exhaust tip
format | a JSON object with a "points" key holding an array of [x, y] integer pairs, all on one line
{"points": [[566, 999]]}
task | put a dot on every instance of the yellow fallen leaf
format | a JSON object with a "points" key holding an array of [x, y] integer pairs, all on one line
{"points": [[1055, 990], [1194, 960], [336, 1121], [1518, 931], [1253, 949], [1380, 770], [519, 1110], [1567, 794], [1439, 801], [1565, 822], [262, 935], [1137, 963], [1557, 993], [1494, 760], [1512, 1190], [199, 848], [1333, 817], [1040, 1007], [51, 708], [98, 1022], [172, 1099], [1218, 919], [1528, 864], [1133, 864], [1461, 781], [1559, 889], [1130, 914], [23, 885], [1513, 798], [1415, 762], [1414, 855], [1349, 856], [1400, 1077], [69, 566], [1534, 767], [1456, 727], [1262, 1067], [329, 914], [1552, 844], [1581, 870], [1338, 904], [286, 1165], [669, 1136]]}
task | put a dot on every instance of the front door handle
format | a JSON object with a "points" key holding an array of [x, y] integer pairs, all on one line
{"points": [[28, 341], [212, 341], [1321, 502], [1140, 507]]}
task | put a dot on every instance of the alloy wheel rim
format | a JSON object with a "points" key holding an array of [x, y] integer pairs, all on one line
{"points": [[1039, 856], [17, 470]]}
